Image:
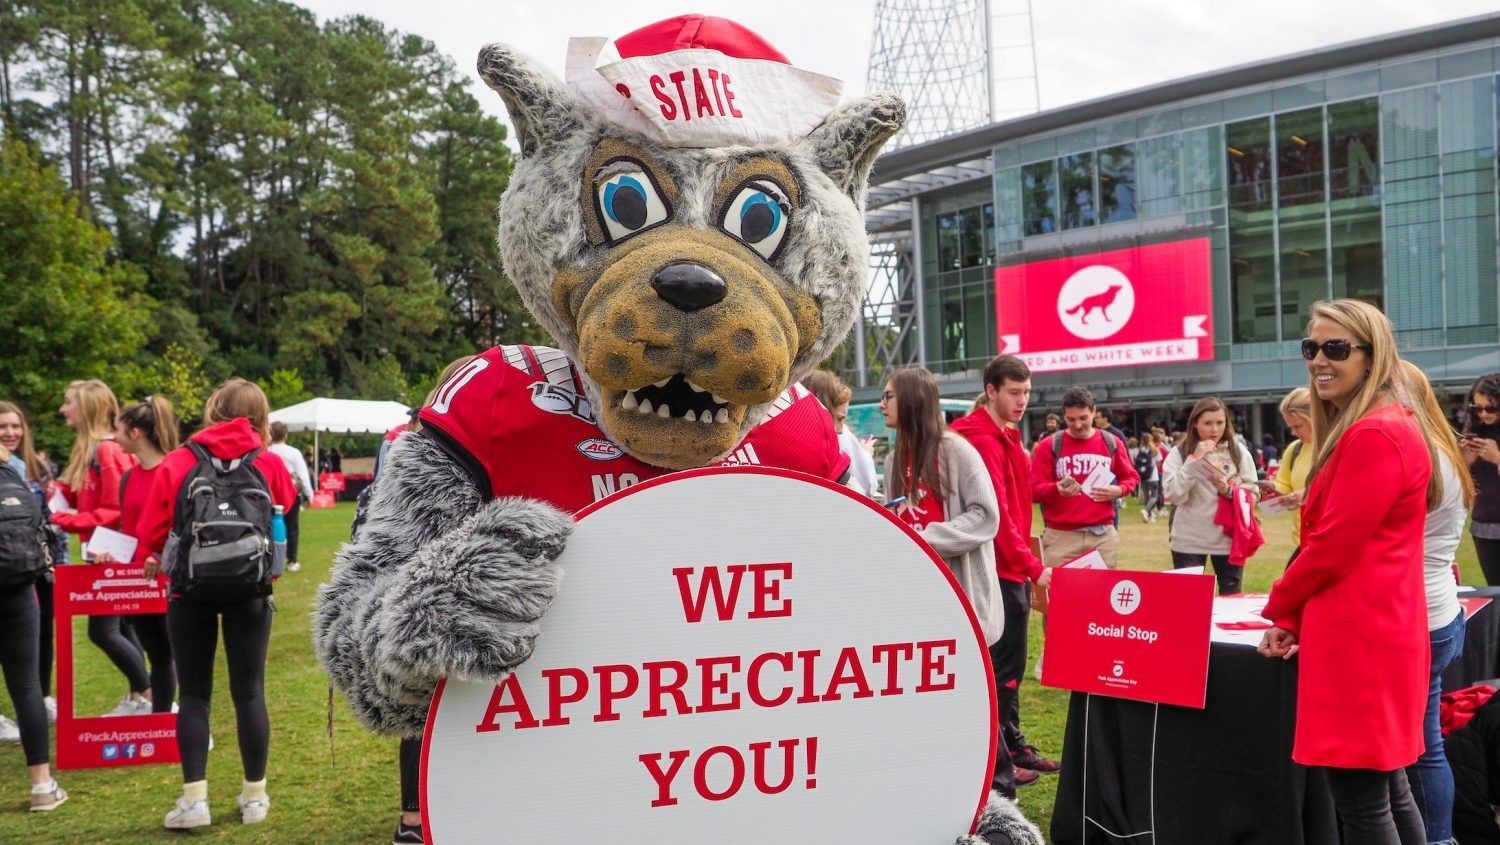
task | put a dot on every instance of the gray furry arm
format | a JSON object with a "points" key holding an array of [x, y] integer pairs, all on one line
{"points": [[438, 583], [1001, 823]]}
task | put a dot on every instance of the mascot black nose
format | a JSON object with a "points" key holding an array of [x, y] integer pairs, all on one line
{"points": [[688, 286]]}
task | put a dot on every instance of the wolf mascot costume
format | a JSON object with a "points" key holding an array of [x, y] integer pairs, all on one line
{"points": [[686, 222]]}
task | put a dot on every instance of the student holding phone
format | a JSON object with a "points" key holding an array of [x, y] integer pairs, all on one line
{"points": [[1479, 445]]}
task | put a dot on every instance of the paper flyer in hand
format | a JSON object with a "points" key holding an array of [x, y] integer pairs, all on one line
{"points": [[58, 503], [121, 546], [1213, 466], [1100, 477], [1274, 503]]}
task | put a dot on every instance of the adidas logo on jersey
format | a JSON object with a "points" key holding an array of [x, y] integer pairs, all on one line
{"points": [[742, 457]]}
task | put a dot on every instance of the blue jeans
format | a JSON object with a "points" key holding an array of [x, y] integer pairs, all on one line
{"points": [[1432, 778]]}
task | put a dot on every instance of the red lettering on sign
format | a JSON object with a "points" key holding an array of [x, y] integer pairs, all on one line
{"points": [[759, 768], [711, 582], [664, 779], [498, 707], [768, 603], [556, 698], [718, 683], [657, 689], [609, 693], [752, 680], [770, 588], [892, 668], [934, 678], [848, 671]]}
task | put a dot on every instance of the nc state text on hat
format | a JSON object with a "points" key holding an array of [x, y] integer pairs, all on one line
{"points": [[720, 104]]}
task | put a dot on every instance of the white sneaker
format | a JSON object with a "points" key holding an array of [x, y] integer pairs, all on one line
{"points": [[126, 707], [10, 732], [142, 707], [48, 799], [51, 708], [185, 815], [294, 566], [1039, 670], [254, 811]]}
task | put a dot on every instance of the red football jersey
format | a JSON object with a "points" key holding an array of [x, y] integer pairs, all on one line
{"points": [[521, 414]]}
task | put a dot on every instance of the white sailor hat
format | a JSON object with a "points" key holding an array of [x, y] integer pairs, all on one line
{"points": [[700, 81]]}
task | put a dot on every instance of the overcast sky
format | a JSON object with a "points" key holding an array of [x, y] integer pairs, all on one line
{"points": [[1084, 48]]}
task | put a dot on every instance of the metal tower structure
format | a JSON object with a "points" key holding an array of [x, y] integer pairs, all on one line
{"points": [[958, 64]]}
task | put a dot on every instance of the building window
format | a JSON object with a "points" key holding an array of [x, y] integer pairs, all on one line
{"points": [[1075, 173], [1299, 158], [1301, 223], [1252, 253], [949, 235], [1355, 252], [1117, 183], [1039, 195]]}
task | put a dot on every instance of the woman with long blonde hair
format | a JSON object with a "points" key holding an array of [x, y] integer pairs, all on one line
{"points": [[91, 484], [1366, 506], [1296, 460], [1433, 786]]}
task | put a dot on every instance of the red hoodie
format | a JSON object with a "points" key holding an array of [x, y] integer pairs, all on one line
{"points": [[98, 503], [223, 440], [1010, 473]]}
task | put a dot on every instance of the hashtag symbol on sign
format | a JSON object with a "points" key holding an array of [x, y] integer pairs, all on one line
{"points": [[1125, 597]]}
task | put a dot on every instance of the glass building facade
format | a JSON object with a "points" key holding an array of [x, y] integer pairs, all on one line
{"points": [[1375, 180]]}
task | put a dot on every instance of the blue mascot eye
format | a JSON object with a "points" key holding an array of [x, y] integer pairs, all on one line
{"points": [[625, 203], [629, 203], [759, 216]]}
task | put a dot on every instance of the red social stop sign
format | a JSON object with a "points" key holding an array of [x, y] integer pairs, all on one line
{"points": [[738, 654]]}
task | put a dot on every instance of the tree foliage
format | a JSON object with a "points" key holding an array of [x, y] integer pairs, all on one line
{"points": [[229, 187]]}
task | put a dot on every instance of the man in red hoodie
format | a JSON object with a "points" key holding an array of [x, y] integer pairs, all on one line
{"points": [[1077, 483], [992, 430]]}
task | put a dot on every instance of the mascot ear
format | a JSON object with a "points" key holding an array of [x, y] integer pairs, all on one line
{"points": [[541, 107], [849, 140]]}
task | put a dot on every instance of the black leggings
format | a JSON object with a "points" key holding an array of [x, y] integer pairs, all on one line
{"points": [[1489, 559], [18, 630], [105, 632], [1229, 576], [151, 632], [293, 529], [1375, 808], [194, 629], [411, 775], [44, 631]]}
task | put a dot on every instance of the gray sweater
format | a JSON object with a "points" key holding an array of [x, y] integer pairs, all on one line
{"points": [[1193, 528], [966, 539]]}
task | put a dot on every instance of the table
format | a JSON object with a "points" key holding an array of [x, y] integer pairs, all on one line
{"points": [[1148, 774]]}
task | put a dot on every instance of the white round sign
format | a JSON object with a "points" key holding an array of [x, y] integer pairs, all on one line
{"points": [[1096, 302], [738, 656]]}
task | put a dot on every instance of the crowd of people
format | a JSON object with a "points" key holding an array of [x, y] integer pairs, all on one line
{"points": [[128, 471], [1382, 482]]}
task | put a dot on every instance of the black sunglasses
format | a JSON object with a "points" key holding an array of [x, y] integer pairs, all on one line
{"points": [[1484, 409], [1337, 349]]}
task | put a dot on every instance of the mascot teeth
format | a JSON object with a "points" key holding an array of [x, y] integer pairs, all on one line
{"points": [[677, 397]]}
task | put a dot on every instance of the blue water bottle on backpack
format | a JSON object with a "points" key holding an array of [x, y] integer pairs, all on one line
{"points": [[278, 541]]}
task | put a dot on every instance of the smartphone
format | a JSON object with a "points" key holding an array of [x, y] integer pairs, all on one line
{"points": [[1468, 436], [894, 502]]}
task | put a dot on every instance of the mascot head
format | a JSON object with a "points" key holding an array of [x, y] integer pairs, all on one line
{"points": [[687, 223]]}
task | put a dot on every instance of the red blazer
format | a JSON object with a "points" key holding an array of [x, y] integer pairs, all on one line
{"points": [[98, 503], [223, 440], [1355, 598]]}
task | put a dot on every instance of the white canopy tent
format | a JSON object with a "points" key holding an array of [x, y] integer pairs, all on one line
{"points": [[340, 416]]}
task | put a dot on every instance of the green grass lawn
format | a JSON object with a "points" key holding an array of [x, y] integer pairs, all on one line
{"points": [[346, 790]]}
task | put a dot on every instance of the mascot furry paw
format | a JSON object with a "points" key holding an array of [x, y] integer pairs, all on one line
{"points": [[686, 222]]}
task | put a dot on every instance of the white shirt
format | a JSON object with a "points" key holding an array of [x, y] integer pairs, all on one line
{"points": [[1445, 526], [296, 465], [861, 464]]}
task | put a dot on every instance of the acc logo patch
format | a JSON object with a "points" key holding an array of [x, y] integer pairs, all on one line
{"points": [[558, 400], [599, 449]]}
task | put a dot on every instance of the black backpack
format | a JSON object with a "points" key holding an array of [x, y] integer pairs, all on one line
{"points": [[25, 544], [220, 548]]}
